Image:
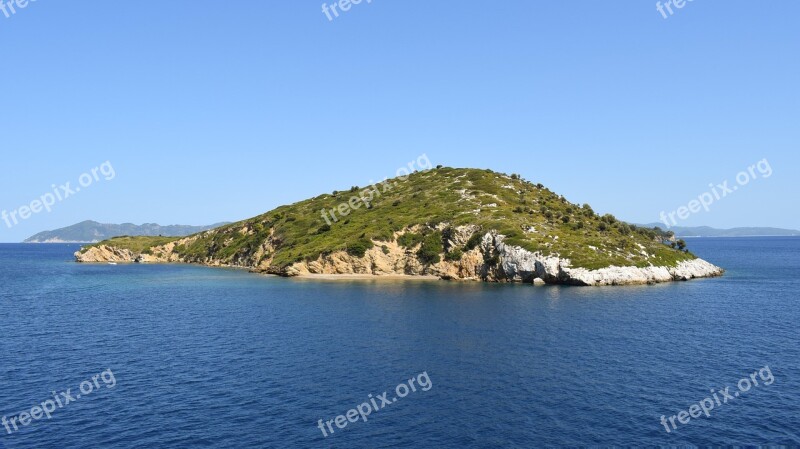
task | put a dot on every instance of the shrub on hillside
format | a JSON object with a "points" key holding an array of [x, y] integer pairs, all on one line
{"points": [[431, 248], [454, 255], [409, 240], [473, 241], [359, 248]]}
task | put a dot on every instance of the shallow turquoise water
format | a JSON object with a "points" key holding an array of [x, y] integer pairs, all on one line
{"points": [[222, 358]]}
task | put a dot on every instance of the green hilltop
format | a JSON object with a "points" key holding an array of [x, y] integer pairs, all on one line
{"points": [[419, 212]]}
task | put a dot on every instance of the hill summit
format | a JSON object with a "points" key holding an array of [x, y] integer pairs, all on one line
{"points": [[451, 223]]}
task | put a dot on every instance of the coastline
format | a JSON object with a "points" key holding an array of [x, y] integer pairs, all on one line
{"points": [[367, 277], [514, 264]]}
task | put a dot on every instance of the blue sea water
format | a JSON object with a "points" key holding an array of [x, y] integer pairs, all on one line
{"points": [[205, 357]]}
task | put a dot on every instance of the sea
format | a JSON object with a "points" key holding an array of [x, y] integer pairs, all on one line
{"points": [[184, 356]]}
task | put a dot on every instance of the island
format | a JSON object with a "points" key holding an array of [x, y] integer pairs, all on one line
{"points": [[451, 223]]}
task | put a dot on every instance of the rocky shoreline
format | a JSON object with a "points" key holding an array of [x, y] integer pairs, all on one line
{"points": [[491, 261]]}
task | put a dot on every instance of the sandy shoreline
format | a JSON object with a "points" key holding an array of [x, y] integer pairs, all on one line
{"points": [[365, 277]]}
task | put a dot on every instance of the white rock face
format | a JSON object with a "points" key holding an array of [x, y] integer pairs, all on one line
{"points": [[520, 265], [697, 268]]}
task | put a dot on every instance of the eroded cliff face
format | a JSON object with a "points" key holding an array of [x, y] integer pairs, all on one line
{"points": [[491, 261], [106, 254], [519, 265]]}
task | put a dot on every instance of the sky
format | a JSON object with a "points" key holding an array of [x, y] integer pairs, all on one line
{"points": [[209, 111]]}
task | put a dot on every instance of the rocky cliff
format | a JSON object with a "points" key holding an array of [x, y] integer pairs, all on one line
{"points": [[492, 261]]}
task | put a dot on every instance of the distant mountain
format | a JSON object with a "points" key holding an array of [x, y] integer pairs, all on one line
{"points": [[92, 231], [706, 231]]}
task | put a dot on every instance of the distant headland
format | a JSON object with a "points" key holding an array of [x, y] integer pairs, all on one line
{"points": [[91, 232]]}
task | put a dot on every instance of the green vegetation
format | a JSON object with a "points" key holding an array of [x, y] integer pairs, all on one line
{"points": [[529, 215], [473, 241], [359, 248], [454, 255], [409, 240], [431, 248], [139, 244]]}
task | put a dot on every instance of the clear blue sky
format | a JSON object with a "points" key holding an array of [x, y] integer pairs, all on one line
{"points": [[217, 111]]}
